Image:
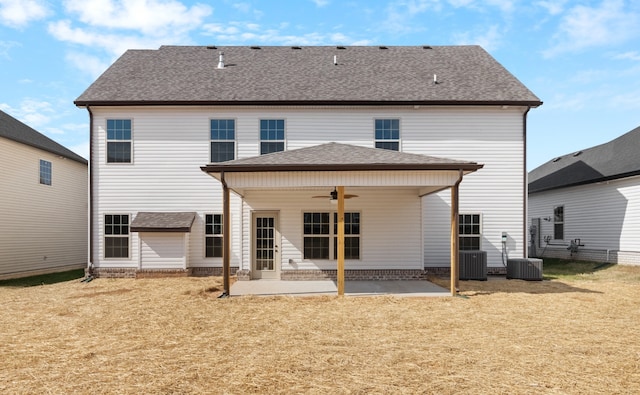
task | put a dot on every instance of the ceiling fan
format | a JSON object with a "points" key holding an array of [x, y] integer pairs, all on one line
{"points": [[333, 196]]}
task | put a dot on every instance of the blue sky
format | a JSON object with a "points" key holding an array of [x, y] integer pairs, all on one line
{"points": [[582, 58]]}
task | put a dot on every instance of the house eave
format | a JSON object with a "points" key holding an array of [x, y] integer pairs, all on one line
{"points": [[219, 168], [586, 182], [125, 103]]}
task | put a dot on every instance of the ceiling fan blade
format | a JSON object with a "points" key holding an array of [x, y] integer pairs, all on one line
{"points": [[321, 197], [350, 196]]}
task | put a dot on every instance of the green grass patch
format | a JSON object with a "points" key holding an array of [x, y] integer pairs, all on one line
{"points": [[563, 269], [43, 279]]}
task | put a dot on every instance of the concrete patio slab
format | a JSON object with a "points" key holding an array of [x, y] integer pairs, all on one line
{"points": [[418, 288]]}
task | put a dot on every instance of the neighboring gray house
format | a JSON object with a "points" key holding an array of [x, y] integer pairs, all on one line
{"points": [[586, 204], [281, 129], [43, 204]]}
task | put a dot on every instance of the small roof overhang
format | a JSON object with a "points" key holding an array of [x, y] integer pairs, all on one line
{"points": [[333, 164], [163, 222]]}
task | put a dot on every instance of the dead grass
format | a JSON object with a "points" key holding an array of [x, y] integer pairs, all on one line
{"points": [[173, 336]]}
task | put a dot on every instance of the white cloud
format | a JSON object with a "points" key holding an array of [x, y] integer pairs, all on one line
{"points": [[251, 33], [553, 7], [489, 39], [5, 46], [18, 13], [90, 64], [32, 112], [153, 17], [631, 55], [321, 3], [584, 27]]}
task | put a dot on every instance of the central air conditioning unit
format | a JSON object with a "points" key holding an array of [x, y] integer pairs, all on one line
{"points": [[524, 269], [473, 265]]}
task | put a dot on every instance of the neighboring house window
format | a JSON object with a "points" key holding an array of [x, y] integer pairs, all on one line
{"points": [[271, 135], [45, 172], [213, 235], [223, 135], [116, 236], [469, 233], [388, 134], [118, 141], [558, 223], [319, 233], [351, 236]]}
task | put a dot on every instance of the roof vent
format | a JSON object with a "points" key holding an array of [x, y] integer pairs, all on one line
{"points": [[221, 60], [557, 159], [577, 153], [296, 47], [335, 60], [383, 47], [256, 47], [341, 47], [212, 47], [426, 47]]}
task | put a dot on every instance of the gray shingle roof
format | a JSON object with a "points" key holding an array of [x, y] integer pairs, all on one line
{"points": [[163, 222], [365, 75], [15, 130], [616, 159], [336, 157]]}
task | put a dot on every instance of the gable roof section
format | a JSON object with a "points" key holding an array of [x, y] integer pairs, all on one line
{"points": [[339, 157], [307, 75], [616, 159], [15, 130]]}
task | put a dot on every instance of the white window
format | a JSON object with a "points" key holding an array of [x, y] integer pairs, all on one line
{"points": [[558, 223], [116, 236], [223, 135], [45, 172], [469, 231], [118, 141], [320, 231], [213, 236], [387, 134], [271, 135]]}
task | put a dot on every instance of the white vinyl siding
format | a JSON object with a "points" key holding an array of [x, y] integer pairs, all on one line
{"points": [[43, 229], [163, 250], [604, 216], [172, 143]]}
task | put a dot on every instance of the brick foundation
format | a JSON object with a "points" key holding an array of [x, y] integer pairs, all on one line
{"points": [[390, 274], [156, 273]]}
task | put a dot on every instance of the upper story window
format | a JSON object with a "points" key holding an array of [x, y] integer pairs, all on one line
{"points": [[223, 135], [45, 172], [213, 236], [469, 231], [271, 135], [388, 134], [558, 223], [118, 141]]}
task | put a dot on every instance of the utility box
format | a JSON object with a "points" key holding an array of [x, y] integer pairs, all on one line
{"points": [[524, 269], [473, 265]]}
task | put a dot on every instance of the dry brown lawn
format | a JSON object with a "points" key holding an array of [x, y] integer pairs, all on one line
{"points": [[173, 336]]}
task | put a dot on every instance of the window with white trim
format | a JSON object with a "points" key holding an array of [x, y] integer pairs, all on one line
{"points": [[45, 172], [351, 236], [271, 135], [320, 231], [116, 236], [387, 134], [118, 141], [469, 231], [213, 235], [558, 223], [223, 135]]}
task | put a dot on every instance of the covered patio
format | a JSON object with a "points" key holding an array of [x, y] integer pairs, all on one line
{"points": [[345, 169]]}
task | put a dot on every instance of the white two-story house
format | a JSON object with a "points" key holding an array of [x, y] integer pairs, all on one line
{"points": [[206, 156]]}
